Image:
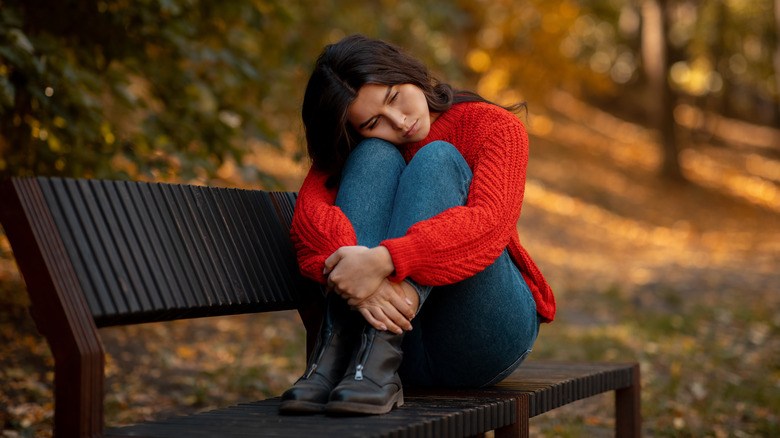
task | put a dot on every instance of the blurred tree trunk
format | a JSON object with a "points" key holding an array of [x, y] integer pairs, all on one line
{"points": [[660, 99], [721, 54], [777, 53]]}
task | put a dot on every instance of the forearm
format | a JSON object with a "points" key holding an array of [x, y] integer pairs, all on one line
{"points": [[318, 227]]}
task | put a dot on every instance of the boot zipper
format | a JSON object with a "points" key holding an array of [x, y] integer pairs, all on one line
{"points": [[362, 355], [359, 372], [318, 358], [311, 371]]}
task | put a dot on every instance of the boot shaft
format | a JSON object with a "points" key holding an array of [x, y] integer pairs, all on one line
{"points": [[378, 357]]}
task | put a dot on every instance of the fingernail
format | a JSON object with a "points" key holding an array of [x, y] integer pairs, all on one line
{"points": [[408, 301], [382, 327]]}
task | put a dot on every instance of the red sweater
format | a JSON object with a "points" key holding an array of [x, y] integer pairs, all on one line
{"points": [[457, 243]]}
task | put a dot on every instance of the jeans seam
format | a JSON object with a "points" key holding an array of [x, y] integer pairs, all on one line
{"points": [[508, 370]]}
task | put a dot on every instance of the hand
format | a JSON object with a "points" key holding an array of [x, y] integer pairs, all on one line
{"points": [[357, 271], [388, 308]]}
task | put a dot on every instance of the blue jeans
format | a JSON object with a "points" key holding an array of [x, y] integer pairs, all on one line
{"points": [[471, 333]]}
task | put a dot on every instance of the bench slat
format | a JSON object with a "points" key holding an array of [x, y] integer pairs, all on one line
{"points": [[198, 240], [128, 210], [264, 243], [67, 206], [421, 416], [165, 251], [142, 205], [164, 223], [233, 229]]}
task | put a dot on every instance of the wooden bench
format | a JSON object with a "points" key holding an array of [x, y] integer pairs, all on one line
{"points": [[97, 253]]}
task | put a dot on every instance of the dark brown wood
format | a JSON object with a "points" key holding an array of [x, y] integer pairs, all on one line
{"points": [[628, 412], [541, 386], [518, 426], [58, 308], [100, 253], [421, 416], [146, 252]]}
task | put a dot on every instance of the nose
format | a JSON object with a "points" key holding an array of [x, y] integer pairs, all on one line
{"points": [[397, 119]]}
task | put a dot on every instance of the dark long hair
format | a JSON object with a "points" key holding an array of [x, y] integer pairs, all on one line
{"points": [[341, 70]]}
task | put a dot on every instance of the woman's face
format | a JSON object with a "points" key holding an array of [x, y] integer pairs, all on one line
{"points": [[396, 113]]}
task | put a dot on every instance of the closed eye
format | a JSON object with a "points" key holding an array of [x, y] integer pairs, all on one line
{"points": [[390, 97], [375, 121]]}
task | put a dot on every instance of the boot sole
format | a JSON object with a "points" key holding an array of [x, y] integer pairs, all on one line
{"points": [[301, 407], [344, 407]]}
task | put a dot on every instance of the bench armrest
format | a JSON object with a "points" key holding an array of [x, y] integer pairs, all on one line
{"points": [[59, 309]]}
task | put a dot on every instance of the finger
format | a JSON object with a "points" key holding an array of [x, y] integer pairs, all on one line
{"points": [[402, 305], [391, 324], [333, 287], [342, 293], [371, 320], [381, 317], [396, 318]]}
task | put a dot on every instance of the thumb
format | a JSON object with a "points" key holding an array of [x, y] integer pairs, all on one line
{"points": [[331, 262]]}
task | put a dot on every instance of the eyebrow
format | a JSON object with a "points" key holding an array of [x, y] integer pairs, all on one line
{"points": [[387, 95]]}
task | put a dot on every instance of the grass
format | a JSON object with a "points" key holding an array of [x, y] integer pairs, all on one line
{"points": [[706, 371], [683, 279]]}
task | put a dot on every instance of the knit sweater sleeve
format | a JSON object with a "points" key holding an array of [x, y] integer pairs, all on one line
{"points": [[319, 227], [462, 241]]}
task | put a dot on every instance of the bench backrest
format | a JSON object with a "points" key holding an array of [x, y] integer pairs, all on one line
{"points": [[144, 252], [97, 253]]}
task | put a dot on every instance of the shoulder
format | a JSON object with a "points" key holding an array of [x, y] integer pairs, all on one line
{"points": [[476, 111], [483, 116], [473, 121]]}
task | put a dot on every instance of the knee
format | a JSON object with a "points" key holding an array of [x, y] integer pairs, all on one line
{"points": [[373, 156], [440, 159], [442, 155], [438, 151], [375, 150]]}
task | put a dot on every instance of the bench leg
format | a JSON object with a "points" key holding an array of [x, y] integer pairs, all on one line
{"points": [[520, 428], [628, 417]]}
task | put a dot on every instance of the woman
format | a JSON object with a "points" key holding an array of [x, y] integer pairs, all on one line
{"points": [[408, 218]]}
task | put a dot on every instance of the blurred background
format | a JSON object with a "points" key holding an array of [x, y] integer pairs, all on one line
{"points": [[652, 201]]}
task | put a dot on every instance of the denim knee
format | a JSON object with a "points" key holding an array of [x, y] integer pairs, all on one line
{"points": [[374, 152], [440, 152], [440, 163]]}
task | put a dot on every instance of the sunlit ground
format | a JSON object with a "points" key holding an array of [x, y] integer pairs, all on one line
{"points": [[682, 279]]}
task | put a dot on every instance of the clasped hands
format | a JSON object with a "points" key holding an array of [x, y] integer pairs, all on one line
{"points": [[359, 275]]}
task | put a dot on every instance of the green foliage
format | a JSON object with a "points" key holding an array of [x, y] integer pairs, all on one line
{"points": [[87, 80], [169, 87], [173, 88]]}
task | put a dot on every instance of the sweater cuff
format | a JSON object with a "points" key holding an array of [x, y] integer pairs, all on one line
{"points": [[407, 257]]}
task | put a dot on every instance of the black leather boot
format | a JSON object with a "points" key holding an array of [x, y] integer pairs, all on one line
{"points": [[371, 384], [336, 341]]}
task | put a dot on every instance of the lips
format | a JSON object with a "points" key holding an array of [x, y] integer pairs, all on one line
{"points": [[412, 130]]}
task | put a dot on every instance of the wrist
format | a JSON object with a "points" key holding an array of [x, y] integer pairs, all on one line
{"points": [[384, 260]]}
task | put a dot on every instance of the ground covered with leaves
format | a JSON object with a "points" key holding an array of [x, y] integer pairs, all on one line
{"points": [[681, 278]]}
